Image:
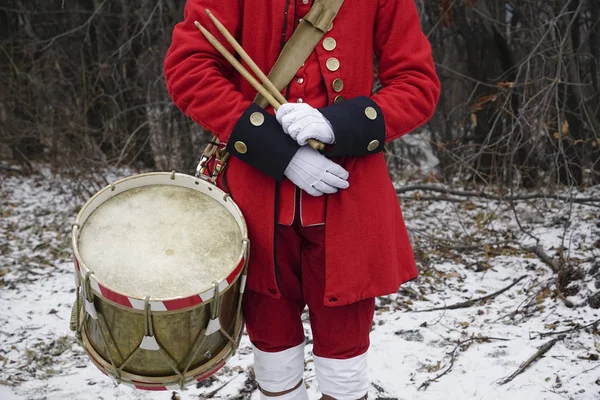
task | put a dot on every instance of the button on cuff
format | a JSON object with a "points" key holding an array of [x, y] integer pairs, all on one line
{"points": [[257, 119], [358, 125], [253, 139], [373, 145], [240, 147], [371, 113]]}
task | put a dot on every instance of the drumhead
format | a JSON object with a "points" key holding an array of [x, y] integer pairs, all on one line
{"points": [[162, 241]]}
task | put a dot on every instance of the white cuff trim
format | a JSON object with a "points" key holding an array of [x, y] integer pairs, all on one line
{"points": [[343, 379], [280, 371]]}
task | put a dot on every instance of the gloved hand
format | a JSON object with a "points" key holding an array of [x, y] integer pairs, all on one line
{"points": [[314, 173], [303, 122]]}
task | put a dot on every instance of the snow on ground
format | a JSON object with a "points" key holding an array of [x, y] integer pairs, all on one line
{"points": [[467, 248]]}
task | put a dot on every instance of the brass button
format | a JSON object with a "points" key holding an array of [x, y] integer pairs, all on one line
{"points": [[257, 119], [338, 100], [300, 100], [338, 85], [333, 64], [329, 44], [300, 81], [371, 113], [240, 147], [373, 145]]}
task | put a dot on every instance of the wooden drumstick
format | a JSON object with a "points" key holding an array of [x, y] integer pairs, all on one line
{"points": [[238, 66], [315, 144], [246, 57]]}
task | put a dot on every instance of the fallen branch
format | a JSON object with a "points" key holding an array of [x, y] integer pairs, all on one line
{"points": [[431, 198], [561, 296], [539, 251], [428, 382], [538, 354], [567, 331], [479, 246], [529, 301], [449, 244], [546, 259], [440, 189], [472, 302], [213, 393], [11, 169]]}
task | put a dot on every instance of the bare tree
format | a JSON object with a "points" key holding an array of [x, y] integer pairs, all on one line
{"points": [[82, 86]]}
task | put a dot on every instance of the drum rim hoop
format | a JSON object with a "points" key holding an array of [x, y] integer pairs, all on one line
{"points": [[171, 304], [191, 377], [177, 303]]}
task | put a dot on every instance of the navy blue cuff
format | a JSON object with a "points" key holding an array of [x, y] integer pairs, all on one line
{"points": [[358, 126], [258, 139]]}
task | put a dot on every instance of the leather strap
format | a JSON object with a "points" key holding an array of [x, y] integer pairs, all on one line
{"points": [[305, 38], [279, 394]]}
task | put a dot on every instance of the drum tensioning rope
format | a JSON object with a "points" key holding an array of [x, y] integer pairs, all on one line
{"points": [[88, 298]]}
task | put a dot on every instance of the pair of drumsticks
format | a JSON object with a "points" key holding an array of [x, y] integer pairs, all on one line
{"points": [[267, 89]]}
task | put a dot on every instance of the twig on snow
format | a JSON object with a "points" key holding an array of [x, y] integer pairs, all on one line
{"points": [[538, 354], [439, 189], [431, 198], [587, 370], [479, 246], [11, 169], [525, 304], [472, 302], [577, 328], [428, 382], [212, 394]]}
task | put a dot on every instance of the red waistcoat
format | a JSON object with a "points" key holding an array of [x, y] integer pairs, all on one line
{"points": [[368, 252]]}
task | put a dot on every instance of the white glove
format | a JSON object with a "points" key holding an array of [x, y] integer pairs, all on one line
{"points": [[314, 173], [303, 122]]}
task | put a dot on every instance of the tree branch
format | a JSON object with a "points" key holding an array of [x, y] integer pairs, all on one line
{"points": [[472, 302], [595, 201], [538, 354]]}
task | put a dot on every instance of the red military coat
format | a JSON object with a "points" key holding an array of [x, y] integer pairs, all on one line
{"points": [[368, 252]]}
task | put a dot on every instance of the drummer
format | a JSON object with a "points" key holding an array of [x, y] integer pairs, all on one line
{"points": [[325, 227]]}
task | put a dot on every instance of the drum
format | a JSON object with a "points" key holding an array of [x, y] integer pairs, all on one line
{"points": [[160, 263]]}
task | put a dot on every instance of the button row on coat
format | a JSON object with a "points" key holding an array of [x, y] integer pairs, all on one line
{"points": [[333, 64]]}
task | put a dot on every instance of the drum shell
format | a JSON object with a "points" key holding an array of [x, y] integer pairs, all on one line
{"points": [[113, 328], [175, 331]]}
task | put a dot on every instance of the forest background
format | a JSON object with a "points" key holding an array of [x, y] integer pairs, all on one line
{"points": [[500, 192], [82, 87]]}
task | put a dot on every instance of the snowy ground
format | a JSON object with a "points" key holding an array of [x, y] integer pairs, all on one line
{"points": [[467, 248]]}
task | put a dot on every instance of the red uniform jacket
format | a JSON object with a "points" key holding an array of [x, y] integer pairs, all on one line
{"points": [[368, 252]]}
